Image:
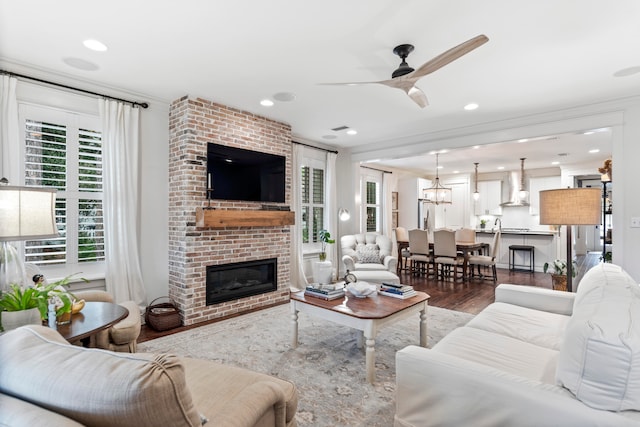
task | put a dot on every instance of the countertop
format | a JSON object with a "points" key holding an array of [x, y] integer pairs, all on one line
{"points": [[520, 232]]}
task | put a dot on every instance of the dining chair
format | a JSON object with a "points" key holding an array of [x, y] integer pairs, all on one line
{"points": [[445, 255], [404, 254], [486, 260], [420, 257]]}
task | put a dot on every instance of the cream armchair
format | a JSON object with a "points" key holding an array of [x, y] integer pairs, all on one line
{"points": [[368, 252], [123, 335]]}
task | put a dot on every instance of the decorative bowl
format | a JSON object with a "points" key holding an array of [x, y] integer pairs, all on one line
{"points": [[361, 289]]}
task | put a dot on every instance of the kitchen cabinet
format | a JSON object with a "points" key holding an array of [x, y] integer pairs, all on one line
{"points": [[490, 197], [537, 184]]}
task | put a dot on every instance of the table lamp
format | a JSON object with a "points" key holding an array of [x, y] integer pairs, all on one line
{"points": [[26, 213], [570, 206]]}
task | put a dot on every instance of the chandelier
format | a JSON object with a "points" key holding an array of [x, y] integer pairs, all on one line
{"points": [[476, 193], [437, 194]]}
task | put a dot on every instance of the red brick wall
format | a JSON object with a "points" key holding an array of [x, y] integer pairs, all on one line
{"points": [[192, 124]]}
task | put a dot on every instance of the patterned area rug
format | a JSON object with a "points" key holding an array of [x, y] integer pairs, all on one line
{"points": [[327, 366]]}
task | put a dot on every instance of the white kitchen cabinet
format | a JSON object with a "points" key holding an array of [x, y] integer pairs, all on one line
{"points": [[490, 197], [537, 184]]}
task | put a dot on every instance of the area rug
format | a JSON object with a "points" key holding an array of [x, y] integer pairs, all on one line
{"points": [[327, 366]]}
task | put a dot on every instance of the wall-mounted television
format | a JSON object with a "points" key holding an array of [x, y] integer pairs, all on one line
{"points": [[247, 175]]}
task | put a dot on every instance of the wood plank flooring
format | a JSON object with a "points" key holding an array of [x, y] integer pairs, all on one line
{"points": [[470, 297]]}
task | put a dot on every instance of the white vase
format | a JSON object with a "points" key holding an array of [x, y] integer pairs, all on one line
{"points": [[322, 272], [14, 319]]}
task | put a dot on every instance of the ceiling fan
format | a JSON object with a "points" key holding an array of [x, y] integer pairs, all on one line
{"points": [[405, 77]]}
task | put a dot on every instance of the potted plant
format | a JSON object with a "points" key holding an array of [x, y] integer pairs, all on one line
{"points": [[559, 273], [483, 223], [19, 307], [325, 237]]}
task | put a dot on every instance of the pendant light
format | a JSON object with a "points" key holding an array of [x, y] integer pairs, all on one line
{"points": [[476, 193], [437, 194], [523, 191]]}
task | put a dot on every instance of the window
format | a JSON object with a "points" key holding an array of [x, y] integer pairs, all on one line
{"points": [[371, 200], [312, 203], [63, 150]]}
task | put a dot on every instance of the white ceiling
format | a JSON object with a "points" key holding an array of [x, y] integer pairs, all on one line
{"points": [[541, 56]]}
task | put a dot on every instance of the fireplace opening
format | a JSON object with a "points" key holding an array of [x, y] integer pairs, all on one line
{"points": [[226, 282]]}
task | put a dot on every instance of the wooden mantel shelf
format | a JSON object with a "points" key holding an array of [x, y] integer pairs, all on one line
{"points": [[221, 218]]}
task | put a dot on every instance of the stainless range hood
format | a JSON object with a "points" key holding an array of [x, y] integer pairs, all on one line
{"points": [[510, 191]]}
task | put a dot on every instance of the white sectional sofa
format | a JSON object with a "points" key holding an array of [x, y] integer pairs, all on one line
{"points": [[535, 357]]}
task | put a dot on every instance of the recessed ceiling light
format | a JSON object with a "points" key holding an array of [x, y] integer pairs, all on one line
{"points": [[555, 163], [500, 167], [595, 150], [266, 103], [589, 132], [94, 45], [456, 171], [352, 132], [523, 140], [440, 167], [471, 106], [475, 147], [284, 96]]}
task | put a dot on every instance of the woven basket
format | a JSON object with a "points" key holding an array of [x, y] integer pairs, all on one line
{"points": [[162, 316]]}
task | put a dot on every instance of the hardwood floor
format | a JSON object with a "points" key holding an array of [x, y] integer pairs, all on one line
{"points": [[470, 297], [474, 296]]}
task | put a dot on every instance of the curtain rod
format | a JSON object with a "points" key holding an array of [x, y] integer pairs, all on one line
{"points": [[22, 76], [374, 169], [311, 146]]}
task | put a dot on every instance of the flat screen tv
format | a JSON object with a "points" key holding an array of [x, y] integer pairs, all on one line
{"points": [[239, 174]]}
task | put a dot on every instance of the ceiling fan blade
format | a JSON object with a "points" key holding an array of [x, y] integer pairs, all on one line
{"points": [[448, 56], [418, 96]]}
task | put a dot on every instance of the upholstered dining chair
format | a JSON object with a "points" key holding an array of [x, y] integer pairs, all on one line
{"points": [[402, 241], [420, 257], [445, 255], [486, 260]]}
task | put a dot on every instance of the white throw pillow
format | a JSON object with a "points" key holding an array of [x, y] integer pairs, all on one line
{"points": [[599, 360]]}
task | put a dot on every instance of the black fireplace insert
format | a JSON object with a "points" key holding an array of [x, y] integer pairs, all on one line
{"points": [[226, 282]]}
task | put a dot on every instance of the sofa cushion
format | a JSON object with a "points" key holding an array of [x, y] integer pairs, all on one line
{"points": [[534, 326], [248, 395], [94, 387], [501, 352], [599, 360]]}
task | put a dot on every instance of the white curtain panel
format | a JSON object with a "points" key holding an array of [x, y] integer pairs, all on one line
{"points": [[298, 279], [387, 229], [120, 147], [331, 208], [9, 134]]}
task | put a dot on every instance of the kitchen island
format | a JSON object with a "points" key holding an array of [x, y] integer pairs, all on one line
{"points": [[545, 243]]}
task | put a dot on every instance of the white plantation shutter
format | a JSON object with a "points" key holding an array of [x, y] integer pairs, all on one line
{"points": [[64, 151]]}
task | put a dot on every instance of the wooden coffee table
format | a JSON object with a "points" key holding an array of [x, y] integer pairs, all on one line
{"points": [[368, 315], [94, 317]]}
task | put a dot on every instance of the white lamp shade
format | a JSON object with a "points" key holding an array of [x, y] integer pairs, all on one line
{"points": [[27, 213], [570, 206]]}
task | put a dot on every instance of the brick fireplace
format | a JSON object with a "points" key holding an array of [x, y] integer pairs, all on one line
{"points": [[194, 122]]}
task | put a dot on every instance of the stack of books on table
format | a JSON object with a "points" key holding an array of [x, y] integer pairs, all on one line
{"points": [[327, 292], [397, 291]]}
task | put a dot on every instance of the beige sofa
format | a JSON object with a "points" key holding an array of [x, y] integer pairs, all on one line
{"points": [[535, 357], [46, 381]]}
